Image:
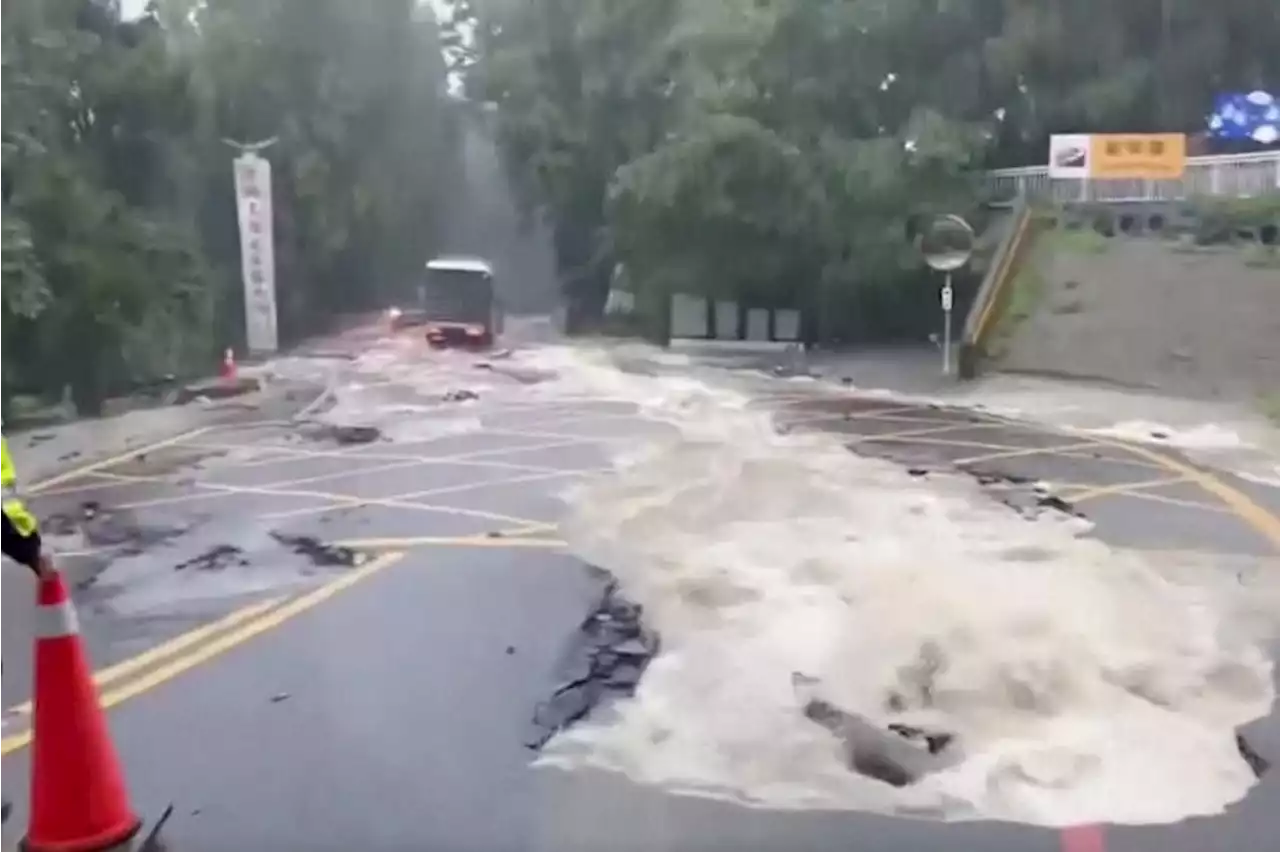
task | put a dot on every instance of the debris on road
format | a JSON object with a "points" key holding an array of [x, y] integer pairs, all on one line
{"points": [[321, 554], [497, 355], [462, 395], [604, 660], [217, 558], [355, 434], [899, 756], [1027, 496], [1259, 764], [104, 527], [217, 389]]}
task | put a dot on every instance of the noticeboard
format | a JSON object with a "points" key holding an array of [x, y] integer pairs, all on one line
{"points": [[1118, 156]]}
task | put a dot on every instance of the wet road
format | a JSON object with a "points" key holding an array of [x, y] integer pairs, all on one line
{"points": [[374, 690]]}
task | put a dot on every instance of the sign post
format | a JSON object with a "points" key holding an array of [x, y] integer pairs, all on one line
{"points": [[947, 245], [1117, 156], [257, 247]]}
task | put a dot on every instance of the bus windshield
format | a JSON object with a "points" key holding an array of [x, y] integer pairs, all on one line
{"points": [[457, 295]]}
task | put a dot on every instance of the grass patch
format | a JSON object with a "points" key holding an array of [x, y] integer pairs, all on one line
{"points": [[1026, 291], [1262, 257], [1079, 241], [1271, 406]]}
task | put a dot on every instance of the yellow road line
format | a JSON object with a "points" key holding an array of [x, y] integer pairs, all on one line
{"points": [[216, 488], [172, 647], [119, 458], [890, 418], [936, 429], [557, 437], [479, 541], [1243, 506], [1121, 488], [823, 415], [1180, 502], [496, 483], [1109, 460], [997, 450], [1063, 488], [1019, 452], [530, 529], [225, 642], [221, 487], [340, 501], [292, 456]]}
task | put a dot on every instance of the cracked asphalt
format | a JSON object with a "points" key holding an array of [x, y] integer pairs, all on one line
{"points": [[378, 694]]}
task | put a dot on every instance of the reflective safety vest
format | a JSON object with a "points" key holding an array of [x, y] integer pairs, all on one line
{"points": [[14, 509]]}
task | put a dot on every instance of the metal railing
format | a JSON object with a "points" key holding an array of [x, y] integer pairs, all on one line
{"points": [[992, 296], [1229, 175]]}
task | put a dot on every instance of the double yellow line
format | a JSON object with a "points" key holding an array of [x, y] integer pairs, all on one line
{"points": [[163, 663]]}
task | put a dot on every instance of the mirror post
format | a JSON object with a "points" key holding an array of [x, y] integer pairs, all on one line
{"points": [[946, 246], [946, 326]]}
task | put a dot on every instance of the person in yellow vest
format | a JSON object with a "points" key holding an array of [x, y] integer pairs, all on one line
{"points": [[21, 530]]}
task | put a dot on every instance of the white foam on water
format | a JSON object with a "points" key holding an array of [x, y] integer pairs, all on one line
{"points": [[1218, 434], [1205, 436], [1083, 683]]}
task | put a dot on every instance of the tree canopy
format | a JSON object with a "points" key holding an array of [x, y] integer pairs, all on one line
{"points": [[121, 253], [781, 148], [775, 149]]}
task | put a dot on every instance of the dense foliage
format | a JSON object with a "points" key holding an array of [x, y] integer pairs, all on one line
{"points": [[782, 147], [120, 240], [779, 149]]}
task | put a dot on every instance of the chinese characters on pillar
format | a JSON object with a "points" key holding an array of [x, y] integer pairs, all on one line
{"points": [[257, 251]]}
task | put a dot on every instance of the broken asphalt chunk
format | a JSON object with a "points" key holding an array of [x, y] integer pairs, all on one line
{"points": [[217, 558], [1259, 764], [355, 434], [604, 660], [320, 553], [899, 756], [570, 703], [1052, 501]]}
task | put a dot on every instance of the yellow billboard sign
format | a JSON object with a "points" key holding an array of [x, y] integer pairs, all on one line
{"points": [[1137, 156]]}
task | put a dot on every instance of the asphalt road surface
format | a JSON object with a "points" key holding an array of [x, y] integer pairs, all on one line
{"points": [[308, 641]]}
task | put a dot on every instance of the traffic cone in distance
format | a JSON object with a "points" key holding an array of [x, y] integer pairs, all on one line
{"points": [[79, 802], [228, 371]]}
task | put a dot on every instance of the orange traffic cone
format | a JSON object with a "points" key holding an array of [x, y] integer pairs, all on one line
{"points": [[78, 798], [228, 371]]}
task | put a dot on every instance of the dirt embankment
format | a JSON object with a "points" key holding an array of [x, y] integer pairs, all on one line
{"points": [[1182, 319]]}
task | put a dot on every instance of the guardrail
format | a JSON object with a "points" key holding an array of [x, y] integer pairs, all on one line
{"points": [[1229, 175], [993, 293]]}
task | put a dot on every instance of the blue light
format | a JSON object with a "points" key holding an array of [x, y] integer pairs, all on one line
{"points": [[1242, 116]]}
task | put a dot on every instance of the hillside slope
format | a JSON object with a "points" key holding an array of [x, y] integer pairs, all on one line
{"points": [[1144, 312]]}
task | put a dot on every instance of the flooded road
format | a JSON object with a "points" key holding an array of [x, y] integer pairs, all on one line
{"points": [[337, 633]]}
